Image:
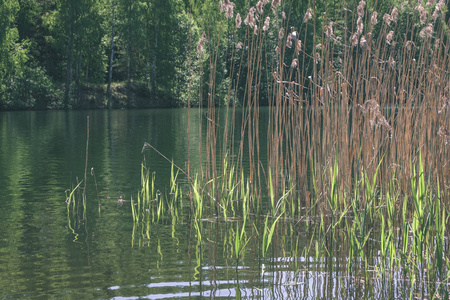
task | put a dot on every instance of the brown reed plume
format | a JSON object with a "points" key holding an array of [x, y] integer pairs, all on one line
{"points": [[368, 96]]}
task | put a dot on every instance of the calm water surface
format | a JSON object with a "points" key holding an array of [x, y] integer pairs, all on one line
{"points": [[44, 253]]}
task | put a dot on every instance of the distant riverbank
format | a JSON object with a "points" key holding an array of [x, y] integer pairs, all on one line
{"points": [[123, 95], [94, 96]]}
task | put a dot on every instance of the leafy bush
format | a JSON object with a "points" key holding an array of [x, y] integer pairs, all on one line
{"points": [[30, 89]]}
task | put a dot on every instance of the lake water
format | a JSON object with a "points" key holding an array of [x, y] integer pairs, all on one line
{"points": [[47, 252], [44, 254]]}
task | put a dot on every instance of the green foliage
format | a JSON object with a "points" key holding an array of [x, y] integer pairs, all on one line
{"points": [[31, 89], [268, 234], [156, 41], [8, 38]]}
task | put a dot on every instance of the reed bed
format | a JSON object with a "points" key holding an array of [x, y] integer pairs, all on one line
{"points": [[358, 144], [369, 99], [375, 244]]}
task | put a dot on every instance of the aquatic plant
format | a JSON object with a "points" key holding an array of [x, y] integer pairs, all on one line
{"points": [[268, 234], [352, 117]]}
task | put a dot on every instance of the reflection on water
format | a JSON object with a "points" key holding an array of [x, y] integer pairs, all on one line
{"points": [[46, 253], [92, 249]]}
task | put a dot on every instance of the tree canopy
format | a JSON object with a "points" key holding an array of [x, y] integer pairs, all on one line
{"points": [[64, 53]]}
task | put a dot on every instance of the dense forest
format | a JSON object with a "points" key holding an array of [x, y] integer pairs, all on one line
{"points": [[63, 54]]}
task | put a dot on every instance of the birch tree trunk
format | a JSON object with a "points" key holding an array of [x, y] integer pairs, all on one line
{"points": [[147, 43], [153, 77], [108, 89], [69, 58], [129, 37]]}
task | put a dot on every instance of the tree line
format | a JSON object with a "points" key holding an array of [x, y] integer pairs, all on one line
{"points": [[52, 52], [139, 53]]}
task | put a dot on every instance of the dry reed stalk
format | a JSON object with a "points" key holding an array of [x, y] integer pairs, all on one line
{"points": [[361, 104]]}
